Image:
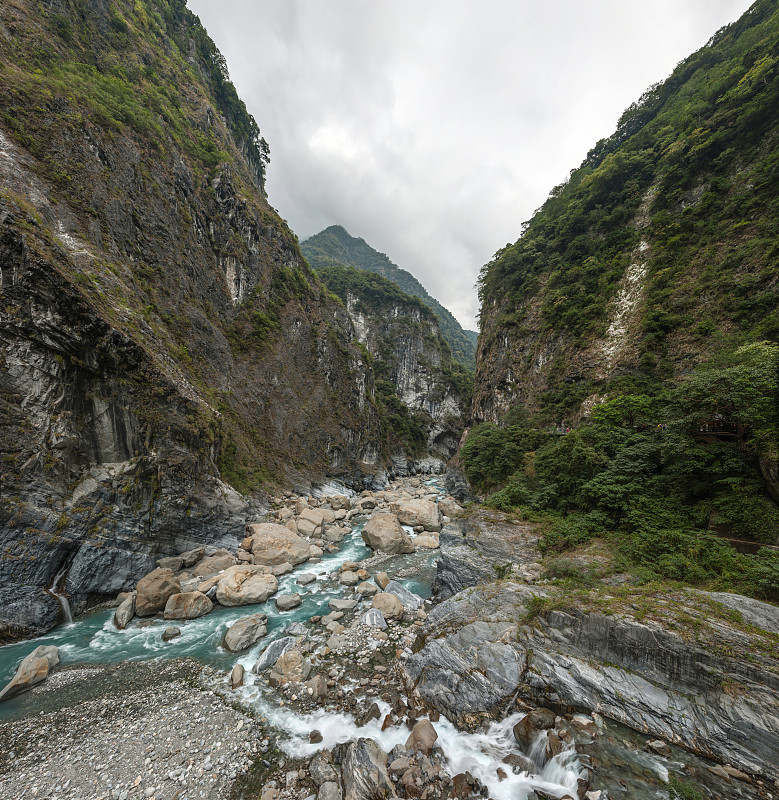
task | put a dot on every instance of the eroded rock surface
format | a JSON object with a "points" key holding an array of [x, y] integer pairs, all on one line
{"points": [[716, 692]]}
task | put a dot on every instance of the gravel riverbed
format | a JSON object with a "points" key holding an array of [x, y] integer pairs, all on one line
{"points": [[134, 730]]}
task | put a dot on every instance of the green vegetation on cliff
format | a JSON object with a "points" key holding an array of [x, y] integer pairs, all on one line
{"points": [[628, 351], [657, 475], [690, 182], [335, 247]]}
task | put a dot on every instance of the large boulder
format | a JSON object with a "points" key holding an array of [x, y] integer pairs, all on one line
{"points": [[406, 596], [364, 772], [213, 564], [273, 652], [310, 521], [245, 632], [384, 533], [153, 591], [339, 501], [125, 612], [423, 737], [292, 666], [191, 557], [286, 602], [450, 507], [274, 544], [187, 605], [33, 670], [389, 604], [528, 728], [420, 512], [245, 584]]}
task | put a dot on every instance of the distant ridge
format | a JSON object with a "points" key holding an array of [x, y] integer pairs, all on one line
{"points": [[335, 246]]}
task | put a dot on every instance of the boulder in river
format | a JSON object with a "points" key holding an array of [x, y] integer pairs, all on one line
{"points": [[274, 544], [406, 596], [153, 591], [170, 633], [310, 521], [33, 670], [273, 652], [389, 604], [384, 533], [125, 612], [528, 728], [420, 512], [245, 632], [423, 737], [244, 585], [367, 589], [187, 605], [291, 667], [286, 602], [364, 771], [211, 565], [236, 676]]}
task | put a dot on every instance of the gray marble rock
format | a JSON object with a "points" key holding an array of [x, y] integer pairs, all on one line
{"points": [[703, 693], [273, 652]]}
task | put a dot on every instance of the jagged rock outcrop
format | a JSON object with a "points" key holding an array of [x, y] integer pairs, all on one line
{"points": [[163, 345], [422, 393], [692, 671]]}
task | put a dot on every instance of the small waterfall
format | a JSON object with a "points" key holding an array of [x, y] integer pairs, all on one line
{"points": [[56, 591]]}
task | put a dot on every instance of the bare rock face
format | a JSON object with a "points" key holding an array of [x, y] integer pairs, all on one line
{"points": [[213, 564], [243, 585], [364, 772], [187, 605], [645, 673], [389, 604], [33, 670], [384, 534], [245, 632], [153, 591], [274, 544], [420, 512]]}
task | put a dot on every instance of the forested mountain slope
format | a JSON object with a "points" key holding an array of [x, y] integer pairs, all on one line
{"points": [[162, 340], [334, 246], [642, 299]]}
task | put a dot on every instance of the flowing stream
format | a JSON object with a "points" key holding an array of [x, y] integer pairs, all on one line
{"points": [[93, 639]]}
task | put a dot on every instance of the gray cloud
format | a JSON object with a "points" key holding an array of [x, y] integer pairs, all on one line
{"points": [[433, 129]]}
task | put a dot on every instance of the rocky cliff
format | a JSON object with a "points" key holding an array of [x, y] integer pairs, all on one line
{"points": [[163, 345], [656, 253], [421, 391], [698, 669], [334, 246]]}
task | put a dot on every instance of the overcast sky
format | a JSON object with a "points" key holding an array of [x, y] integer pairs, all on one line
{"points": [[433, 128]]}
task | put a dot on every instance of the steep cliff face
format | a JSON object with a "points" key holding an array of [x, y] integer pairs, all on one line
{"points": [[658, 250], [421, 391], [335, 247], [162, 341]]}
